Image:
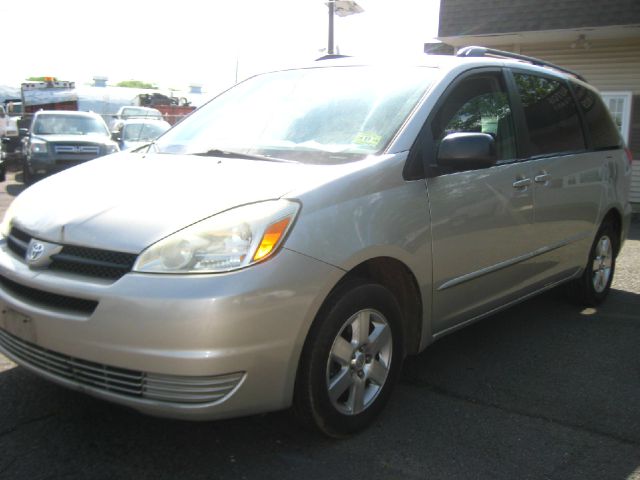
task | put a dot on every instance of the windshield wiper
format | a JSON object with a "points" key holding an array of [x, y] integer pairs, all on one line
{"points": [[215, 152], [142, 147]]}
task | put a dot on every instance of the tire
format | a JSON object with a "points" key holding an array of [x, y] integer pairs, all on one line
{"points": [[3, 173], [593, 286], [345, 378]]}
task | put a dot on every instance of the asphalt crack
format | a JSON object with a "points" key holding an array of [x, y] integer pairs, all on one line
{"points": [[6, 468], [25, 423], [466, 398]]}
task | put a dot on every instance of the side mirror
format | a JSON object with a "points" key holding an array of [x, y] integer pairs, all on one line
{"points": [[467, 151]]}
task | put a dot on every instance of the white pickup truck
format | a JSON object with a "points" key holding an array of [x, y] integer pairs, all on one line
{"points": [[8, 125], [9, 133]]}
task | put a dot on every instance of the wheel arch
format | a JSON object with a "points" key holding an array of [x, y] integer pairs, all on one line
{"points": [[614, 216], [400, 280]]}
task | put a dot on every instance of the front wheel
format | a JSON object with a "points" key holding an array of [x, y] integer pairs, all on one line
{"points": [[593, 286], [351, 360]]}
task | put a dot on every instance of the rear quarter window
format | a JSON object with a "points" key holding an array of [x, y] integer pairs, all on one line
{"points": [[603, 132], [551, 115]]}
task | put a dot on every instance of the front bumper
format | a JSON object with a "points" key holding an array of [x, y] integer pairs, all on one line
{"points": [[45, 165], [238, 334]]}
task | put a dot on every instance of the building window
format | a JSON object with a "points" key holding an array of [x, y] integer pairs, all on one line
{"points": [[619, 104]]}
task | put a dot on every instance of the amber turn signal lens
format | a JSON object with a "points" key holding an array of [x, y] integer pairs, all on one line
{"points": [[270, 239]]}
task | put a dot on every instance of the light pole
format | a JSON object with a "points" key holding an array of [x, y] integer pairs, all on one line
{"points": [[342, 8]]}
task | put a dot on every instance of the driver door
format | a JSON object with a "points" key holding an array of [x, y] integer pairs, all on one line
{"points": [[481, 220]]}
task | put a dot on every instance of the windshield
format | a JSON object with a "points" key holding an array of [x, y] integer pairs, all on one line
{"points": [[316, 115], [68, 125], [142, 132]]}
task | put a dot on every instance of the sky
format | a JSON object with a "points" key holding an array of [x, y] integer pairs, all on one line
{"points": [[177, 43]]}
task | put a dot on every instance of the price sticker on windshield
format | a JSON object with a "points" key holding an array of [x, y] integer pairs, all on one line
{"points": [[367, 139]]}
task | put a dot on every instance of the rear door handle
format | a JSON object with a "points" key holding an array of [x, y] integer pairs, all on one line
{"points": [[544, 177], [524, 183]]}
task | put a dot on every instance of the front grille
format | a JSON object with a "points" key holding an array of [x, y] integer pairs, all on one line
{"points": [[120, 381], [18, 242], [20, 235], [76, 149], [91, 262], [49, 300]]}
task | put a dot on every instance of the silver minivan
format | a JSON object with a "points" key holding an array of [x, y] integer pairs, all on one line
{"points": [[290, 242]]}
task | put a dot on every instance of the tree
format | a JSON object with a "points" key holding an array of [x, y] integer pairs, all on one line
{"points": [[39, 79], [136, 84]]}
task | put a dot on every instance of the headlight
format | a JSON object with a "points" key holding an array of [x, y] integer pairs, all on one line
{"points": [[38, 146], [111, 148], [228, 241]]}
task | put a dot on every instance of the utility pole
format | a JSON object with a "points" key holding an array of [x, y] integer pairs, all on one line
{"points": [[342, 8], [331, 15]]}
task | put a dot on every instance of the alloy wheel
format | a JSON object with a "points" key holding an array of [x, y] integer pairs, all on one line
{"points": [[359, 361], [602, 264]]}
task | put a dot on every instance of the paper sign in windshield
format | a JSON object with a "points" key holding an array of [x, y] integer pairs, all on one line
{"points": [[367, 139]]}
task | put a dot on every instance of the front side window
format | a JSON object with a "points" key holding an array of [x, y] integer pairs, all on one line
{"points": [[551, 115], [479, 104], [314, 115]]}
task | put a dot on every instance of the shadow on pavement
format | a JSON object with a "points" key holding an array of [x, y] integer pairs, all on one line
{"points": [[634, 230], [548, 359], [14, 189]]}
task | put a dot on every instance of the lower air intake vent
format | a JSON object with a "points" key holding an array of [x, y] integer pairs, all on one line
{"points": [[120, 381]]}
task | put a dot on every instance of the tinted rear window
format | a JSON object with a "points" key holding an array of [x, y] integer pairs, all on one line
{"points": [[551, 115], [602, 130]]}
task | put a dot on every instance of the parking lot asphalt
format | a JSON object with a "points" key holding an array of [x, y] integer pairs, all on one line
{"points": [[544, 390]]}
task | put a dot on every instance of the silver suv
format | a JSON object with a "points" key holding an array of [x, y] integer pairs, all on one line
{"points": [[291, 241]]}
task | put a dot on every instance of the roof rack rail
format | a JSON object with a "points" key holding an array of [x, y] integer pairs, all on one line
{"points": [[484, 51]]}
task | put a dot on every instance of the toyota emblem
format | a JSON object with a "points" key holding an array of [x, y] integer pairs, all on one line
{"points": [[36, 249], [39, 253]]}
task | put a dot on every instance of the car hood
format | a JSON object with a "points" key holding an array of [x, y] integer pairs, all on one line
{"points": [[128, 201], [91, 138]]}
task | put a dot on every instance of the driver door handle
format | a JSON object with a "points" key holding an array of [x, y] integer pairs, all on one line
{"points": [[524, 183]]}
